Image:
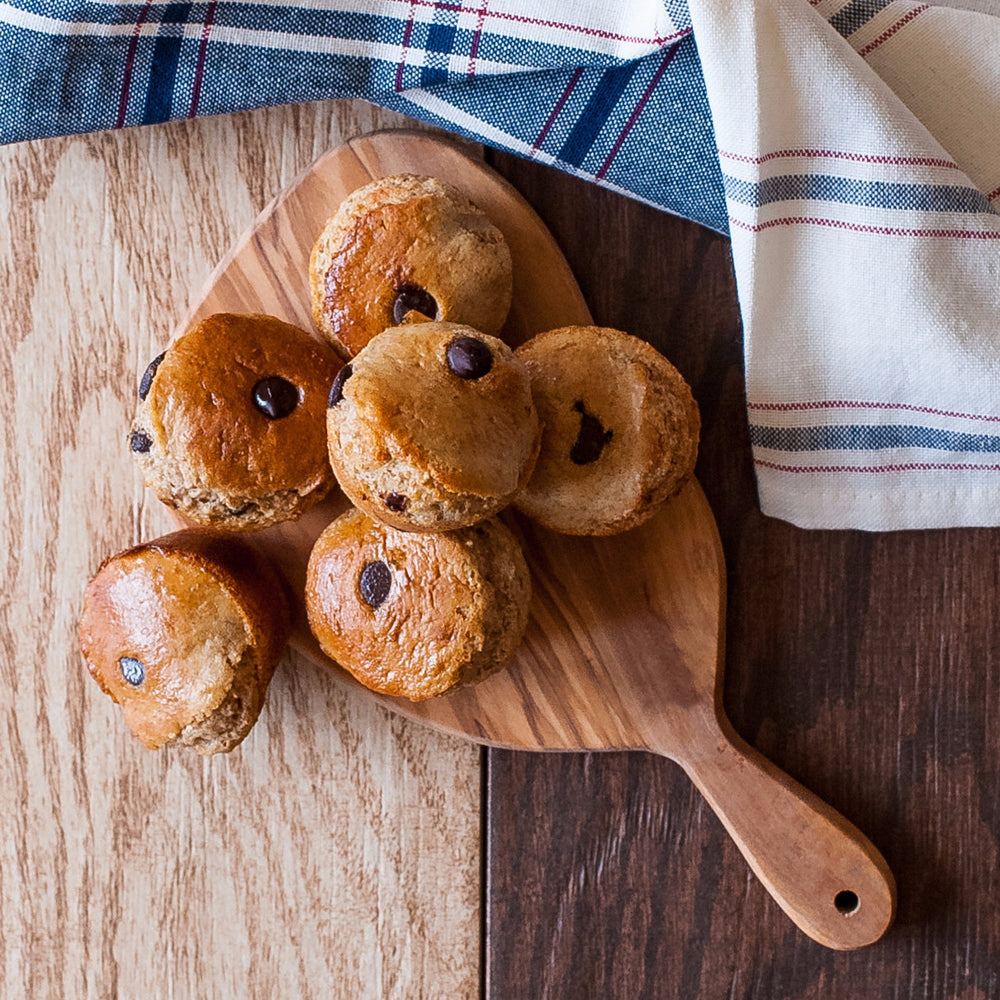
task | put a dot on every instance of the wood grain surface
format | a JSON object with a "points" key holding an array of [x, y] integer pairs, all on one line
{"points": [[336, 852], [865, 665]]}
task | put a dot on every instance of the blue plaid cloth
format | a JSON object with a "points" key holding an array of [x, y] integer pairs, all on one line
{"points": [[617, 98]]}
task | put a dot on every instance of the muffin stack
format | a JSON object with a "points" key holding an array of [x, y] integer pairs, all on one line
{"points": [[431, 425]]}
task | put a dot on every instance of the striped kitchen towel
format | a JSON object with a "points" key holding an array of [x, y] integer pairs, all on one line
{"points": [[859, 145], [851, 149]]}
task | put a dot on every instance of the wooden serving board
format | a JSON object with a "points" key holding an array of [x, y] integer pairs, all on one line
{"points": [[518, 707], [624, 645]]}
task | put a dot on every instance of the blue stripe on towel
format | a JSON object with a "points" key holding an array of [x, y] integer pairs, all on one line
{"points": [[846, 190], [870, 437]]}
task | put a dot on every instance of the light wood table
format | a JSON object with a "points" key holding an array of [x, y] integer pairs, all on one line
{"points": [[336, 853]]}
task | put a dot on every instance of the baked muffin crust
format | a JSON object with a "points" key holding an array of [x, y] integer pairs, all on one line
{"points": [[425, 448], [184, 633], [620, 430], [414, 615], [406, 243], [230, 427]]}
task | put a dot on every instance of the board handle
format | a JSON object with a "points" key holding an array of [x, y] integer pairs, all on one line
{"points": [[820, 869]]}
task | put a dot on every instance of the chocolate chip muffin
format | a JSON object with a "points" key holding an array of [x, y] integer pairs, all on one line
{"points": [[230, 428], [184, 633], [402, 245], [432, 427], [620, 430], [414, 615]]}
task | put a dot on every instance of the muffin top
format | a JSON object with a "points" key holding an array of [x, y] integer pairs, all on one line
{"points": [[620, 430], [432, 426], [232, 414], [407, 244], [416, 614], [167, 626]]}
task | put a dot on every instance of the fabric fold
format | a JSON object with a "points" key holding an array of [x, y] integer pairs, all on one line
{"points": [[866, 263]]}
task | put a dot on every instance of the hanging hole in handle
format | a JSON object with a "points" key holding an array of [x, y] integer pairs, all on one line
{"points": [[846, 902]]}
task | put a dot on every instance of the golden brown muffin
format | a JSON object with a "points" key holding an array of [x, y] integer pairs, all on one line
{"points": [[432, 427], [184, 633], [230, 428], [403, 244], [417, 614], [620, 430]]}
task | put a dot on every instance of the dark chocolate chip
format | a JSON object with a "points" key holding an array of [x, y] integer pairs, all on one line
{"points": [[469, 358], [396, 502], [275, 397], [413, 298], [337, 389], [147, 376], [376, 579], [133, 670], [591, 440], [140, 441]]}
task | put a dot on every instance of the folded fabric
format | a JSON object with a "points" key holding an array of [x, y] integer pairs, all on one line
{"points": [[866, 253], [851, 149], [610, 91]]}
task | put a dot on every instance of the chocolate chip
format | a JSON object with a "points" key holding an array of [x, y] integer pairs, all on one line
{"points": [[591, 440], [413, 298], [147, 376], [337, 389], [376, 579], [469, 358], [133, 670], [396, 502], [140, 441], [275, 397]]}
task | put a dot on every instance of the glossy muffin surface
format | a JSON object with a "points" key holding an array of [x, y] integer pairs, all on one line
{"points": [[432, 427], [230, 427], [414, 615], [184, 633], [406, 244]]}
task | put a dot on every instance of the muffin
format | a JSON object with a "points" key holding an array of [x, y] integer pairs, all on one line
{"points": [[620, 430], [229, 429], [414, 615], [407, 244], [432, 427], [184, 633]]}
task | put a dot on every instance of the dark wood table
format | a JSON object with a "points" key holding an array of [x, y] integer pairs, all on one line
{"points": [[865, 665]]}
